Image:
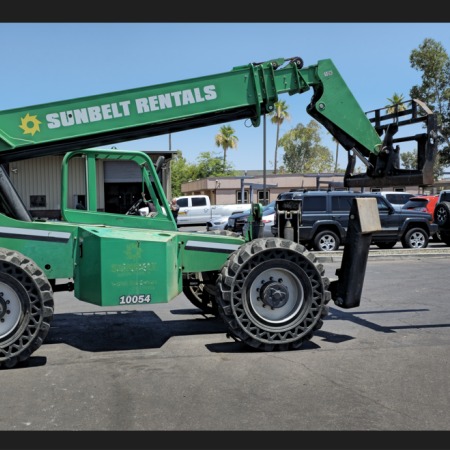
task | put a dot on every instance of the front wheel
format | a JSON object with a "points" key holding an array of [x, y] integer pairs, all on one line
{"points": [[415, 238], [326, 241], [272, 294], [26, 307]]}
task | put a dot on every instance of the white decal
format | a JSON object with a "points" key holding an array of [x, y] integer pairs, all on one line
{"points": [[134, 299]]}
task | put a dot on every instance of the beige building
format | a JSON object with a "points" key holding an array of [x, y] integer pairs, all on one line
{"points": [[251, 186], [38, 183]]}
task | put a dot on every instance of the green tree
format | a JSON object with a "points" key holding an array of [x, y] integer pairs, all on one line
{"points": [[181, 172], [211, 165], [207, 165], [395, 103], [432, 60], [337, 155], [303, 150], [226, 139], [409, 161], [278, 116]]}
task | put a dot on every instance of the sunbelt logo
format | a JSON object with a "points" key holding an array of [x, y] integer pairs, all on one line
{"points": [[30, 124]]}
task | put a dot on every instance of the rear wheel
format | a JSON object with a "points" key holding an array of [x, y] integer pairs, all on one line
{"points": [[272, 294], [415, 238], [326, 241], [200, 290], [26, 307]]}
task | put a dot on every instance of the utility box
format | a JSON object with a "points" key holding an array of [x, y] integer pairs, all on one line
{"points": [[289, 218]]}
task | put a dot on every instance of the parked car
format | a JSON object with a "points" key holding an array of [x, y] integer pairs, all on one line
{"points": [[442, 216], [397, 198], [325, 215], [217, 223], [442, 209], [425, 203], [237, 221]]}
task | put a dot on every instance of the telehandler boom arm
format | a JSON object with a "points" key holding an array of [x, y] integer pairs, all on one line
{"points": [[246, 92]]}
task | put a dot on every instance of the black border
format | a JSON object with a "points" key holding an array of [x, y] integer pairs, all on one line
{"points": [[224, 440], [233, 12], [229, 11]]}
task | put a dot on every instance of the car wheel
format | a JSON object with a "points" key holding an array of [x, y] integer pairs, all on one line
{"points": [[386, 245], [442, 214], [326, 241], [415, 238]]}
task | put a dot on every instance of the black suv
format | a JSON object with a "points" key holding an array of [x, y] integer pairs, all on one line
{"points": [[324, 221]]}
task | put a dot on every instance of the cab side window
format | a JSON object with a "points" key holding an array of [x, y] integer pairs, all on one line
{"points": [[341, 203], [382, 206], [314, 203], [198, 201]]}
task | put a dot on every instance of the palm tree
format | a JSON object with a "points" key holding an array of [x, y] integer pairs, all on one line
{"points": [[278, 115], [396, 103], [226, 139], [337, 155]]}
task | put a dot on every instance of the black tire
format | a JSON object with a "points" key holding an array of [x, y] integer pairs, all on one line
{"points": [[200, 287], [437, 237], [26, 308], [415, 238], [272, 294], [445, 237], [326, 241], [441, 214], [200, 290], [386, 245]]}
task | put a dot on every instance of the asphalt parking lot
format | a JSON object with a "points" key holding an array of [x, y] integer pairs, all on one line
{"points": [[380, 367]]}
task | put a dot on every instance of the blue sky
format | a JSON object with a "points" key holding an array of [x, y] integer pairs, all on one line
{"points": [[46, 62]]}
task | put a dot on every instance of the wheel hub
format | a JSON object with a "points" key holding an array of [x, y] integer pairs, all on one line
{"points": [[3, 307], [274, 294]]}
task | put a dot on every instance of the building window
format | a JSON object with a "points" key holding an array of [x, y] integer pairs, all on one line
{"points": [[239, 197], [261, 199], [38, 201]]}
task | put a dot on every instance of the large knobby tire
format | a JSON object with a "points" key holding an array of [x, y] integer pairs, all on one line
{"points": [[272, 294], [441, 214], [200, 287], [26, 307], [415, 238], [326, 241]]}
